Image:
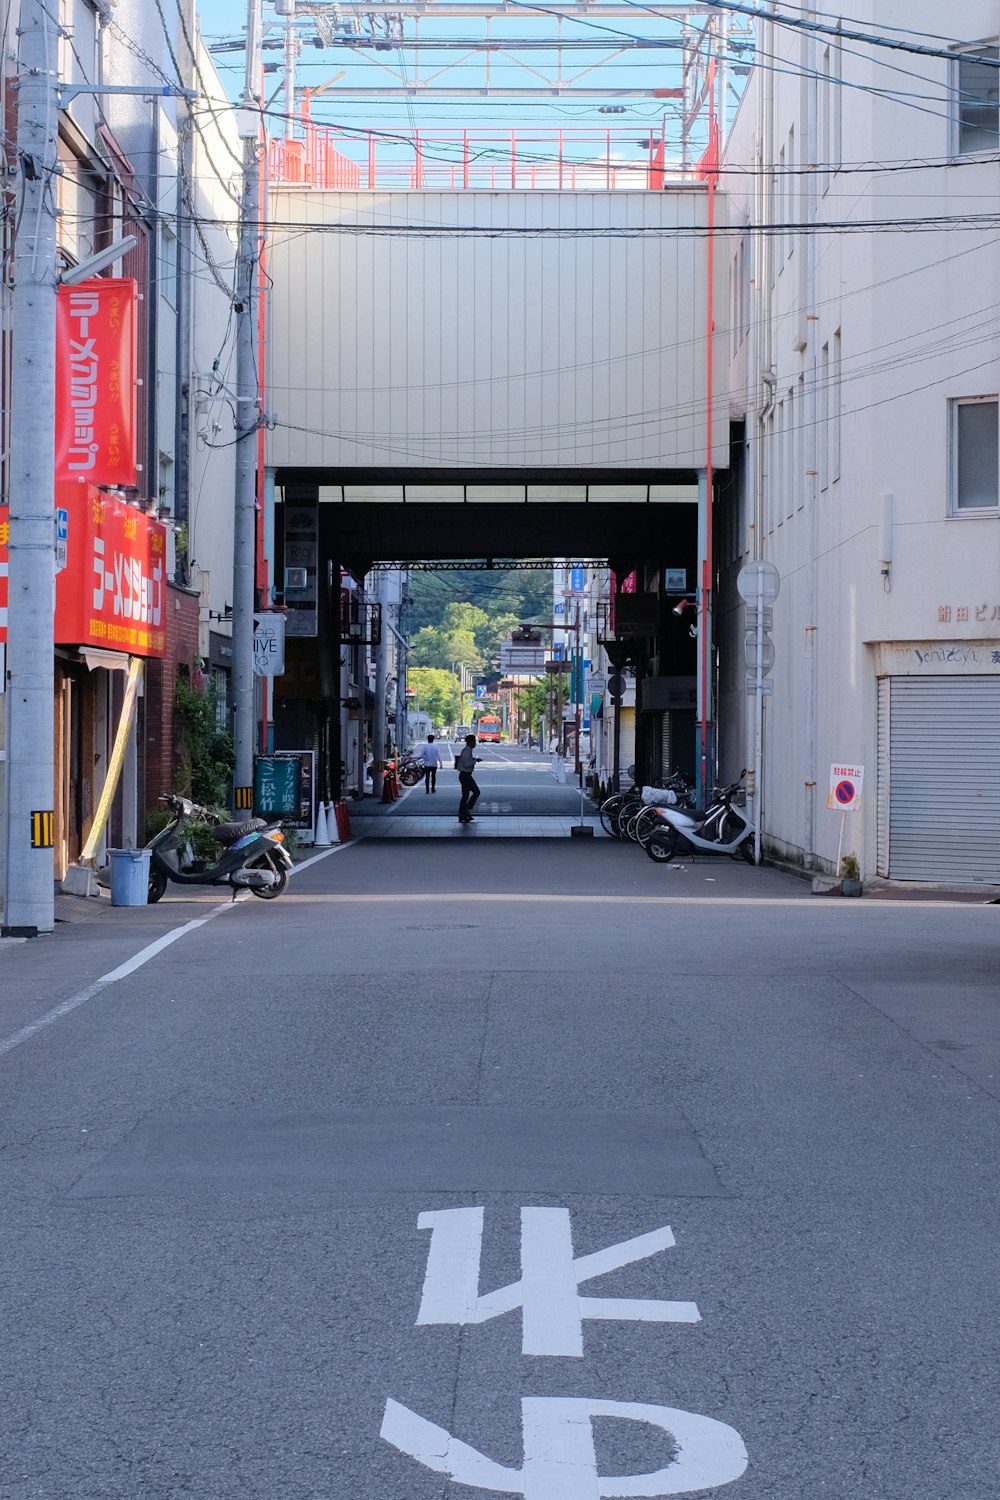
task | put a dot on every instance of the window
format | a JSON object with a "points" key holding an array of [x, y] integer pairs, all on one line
{"points": [[168, 266], [823, 431], [738, 299], [830, 115], [977, 103], [835, 402], [975, 455]]}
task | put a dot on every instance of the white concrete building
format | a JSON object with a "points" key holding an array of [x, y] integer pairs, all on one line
{"points": [[865, 364]]}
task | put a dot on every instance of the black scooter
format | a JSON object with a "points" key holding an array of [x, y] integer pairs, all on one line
{"points": [[253, 855]]}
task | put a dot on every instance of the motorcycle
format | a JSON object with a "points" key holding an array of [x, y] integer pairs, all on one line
{"points": [[411, 770], [252, 855], [722, 828]]}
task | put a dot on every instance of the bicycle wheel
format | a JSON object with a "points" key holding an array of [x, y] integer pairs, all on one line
{"points": [[646, 824], [610, 809], [629, 824]]}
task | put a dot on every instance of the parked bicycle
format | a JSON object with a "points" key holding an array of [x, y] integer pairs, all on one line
{"points": [[632, 815]]}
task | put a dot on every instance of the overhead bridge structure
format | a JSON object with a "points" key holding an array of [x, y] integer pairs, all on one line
{"points": [[472, 374]]}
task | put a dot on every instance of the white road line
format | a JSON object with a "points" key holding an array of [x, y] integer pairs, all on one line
{"points": [[325, 853], [549, 1302], [123, 970], [137, 961]]}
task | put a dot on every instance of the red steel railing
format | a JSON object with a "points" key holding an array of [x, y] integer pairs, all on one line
{"points": [[482, 158]]}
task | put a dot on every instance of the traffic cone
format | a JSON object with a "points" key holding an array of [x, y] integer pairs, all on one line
{"points": [[322, 839], [332, 824]]}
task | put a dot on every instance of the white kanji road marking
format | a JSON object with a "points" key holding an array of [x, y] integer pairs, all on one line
{"points": [[552, 1309], [559, 1457]]}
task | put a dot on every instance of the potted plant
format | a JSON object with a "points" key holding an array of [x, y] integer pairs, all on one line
{"points": [[851, 883]]}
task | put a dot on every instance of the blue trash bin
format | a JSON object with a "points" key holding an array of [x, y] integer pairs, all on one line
{"points": [[129, 876]]}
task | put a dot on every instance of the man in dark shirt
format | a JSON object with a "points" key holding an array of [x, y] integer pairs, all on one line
{"points": [[470, 792]]}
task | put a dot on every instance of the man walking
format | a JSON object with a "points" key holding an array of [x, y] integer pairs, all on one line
{"points": [[470, 792], [431, 759]]}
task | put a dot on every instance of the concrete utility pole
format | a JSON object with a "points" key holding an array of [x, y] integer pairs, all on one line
{"points": [[248, 418], [29, 837]]}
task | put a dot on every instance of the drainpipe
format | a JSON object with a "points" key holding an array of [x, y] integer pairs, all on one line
{"points": [[809, 181], [184, 303]]}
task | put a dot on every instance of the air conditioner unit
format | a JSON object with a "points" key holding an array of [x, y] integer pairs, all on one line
{"points": [[296, 578]]}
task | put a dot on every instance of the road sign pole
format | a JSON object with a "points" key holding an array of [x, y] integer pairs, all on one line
{"points": [[758, 722]]}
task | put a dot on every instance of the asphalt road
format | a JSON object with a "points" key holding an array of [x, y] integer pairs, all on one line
{"points": [[513, 781], [238, 1189]]}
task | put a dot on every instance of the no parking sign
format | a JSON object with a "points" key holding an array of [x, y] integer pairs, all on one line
{"points": [[846, 783]]}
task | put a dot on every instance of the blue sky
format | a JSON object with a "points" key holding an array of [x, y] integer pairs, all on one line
{"points": [[633, 121]]}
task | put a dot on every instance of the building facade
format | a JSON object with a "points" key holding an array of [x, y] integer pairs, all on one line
{"points": [[864, 379], [135, 163]]}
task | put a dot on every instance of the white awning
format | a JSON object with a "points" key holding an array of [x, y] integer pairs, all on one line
{"points": [[111, 661]]}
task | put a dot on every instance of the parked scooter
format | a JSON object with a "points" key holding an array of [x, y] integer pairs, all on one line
{"points": [[411, 770], [722, 828], [252, 854]]}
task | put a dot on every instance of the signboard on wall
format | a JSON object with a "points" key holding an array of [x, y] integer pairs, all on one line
{"points": [[269, 644], [96, 381], [301, 564], [112, 590]]}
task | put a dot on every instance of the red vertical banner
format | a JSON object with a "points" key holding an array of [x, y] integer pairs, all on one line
{"points": [[95, 381]]}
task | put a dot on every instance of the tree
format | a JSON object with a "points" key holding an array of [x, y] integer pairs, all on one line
{"points": [[436, 693], [453, 642], [491, 636]]}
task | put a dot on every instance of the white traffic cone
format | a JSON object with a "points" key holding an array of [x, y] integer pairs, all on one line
{"points": [[322, 839], [332, 831]]}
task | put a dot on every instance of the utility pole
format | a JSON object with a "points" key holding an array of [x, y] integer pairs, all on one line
{"points": [[29, 836], [248, 419]]}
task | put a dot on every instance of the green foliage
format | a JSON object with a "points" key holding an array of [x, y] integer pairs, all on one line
{"points": [[205, 752], [849, 867], [452, 642], [524, 594], [156, 821], [437, 693], [199, 831]]}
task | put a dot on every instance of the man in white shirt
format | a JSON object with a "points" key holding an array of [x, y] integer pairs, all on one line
{"points": [[431, 759]]}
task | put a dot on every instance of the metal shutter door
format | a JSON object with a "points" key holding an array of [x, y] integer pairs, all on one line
{"points": [[945, 779], [665, 747], [882, 779]]}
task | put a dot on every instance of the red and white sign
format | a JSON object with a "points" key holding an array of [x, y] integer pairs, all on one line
{"points": [[846, 784], [95, 381], [112, 590]]}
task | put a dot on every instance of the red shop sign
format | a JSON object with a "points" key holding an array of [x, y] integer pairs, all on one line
{"points": [[112, 591], [95, 381]]}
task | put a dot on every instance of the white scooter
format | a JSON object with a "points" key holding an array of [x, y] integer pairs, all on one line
{"points": [[723, 828]]}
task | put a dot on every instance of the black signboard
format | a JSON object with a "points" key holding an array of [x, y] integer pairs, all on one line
{"points": [[277, 786]]}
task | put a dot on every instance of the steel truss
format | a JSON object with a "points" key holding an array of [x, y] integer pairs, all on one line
{"points": [[700, 45], [486, 565]]}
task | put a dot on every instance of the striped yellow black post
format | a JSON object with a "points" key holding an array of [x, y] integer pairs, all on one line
{"points": [[43, 830], [243, 798]]}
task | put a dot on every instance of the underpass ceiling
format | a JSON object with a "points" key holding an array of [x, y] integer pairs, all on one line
{"points": [[357, 536]]}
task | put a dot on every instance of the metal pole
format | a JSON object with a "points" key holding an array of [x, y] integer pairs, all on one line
{"points": [[29, 863], [291, 53], [379, 751], [247, 421], [578, 690], [758, 718]]}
